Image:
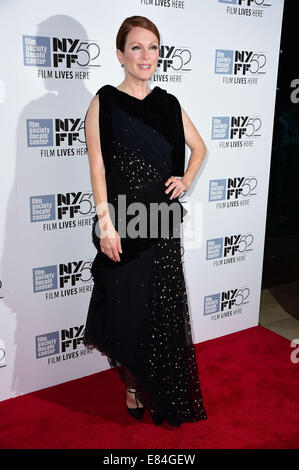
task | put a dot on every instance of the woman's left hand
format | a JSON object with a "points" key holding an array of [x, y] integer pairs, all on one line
{"points": [[179, 186]]}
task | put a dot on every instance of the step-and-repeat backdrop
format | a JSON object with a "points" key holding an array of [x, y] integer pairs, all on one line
{"points": [[220, 59]]}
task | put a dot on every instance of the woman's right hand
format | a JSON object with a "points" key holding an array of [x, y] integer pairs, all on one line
{"points": [[110, 243]]}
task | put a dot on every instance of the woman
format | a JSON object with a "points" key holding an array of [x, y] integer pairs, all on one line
{"points": [[138, 312]]}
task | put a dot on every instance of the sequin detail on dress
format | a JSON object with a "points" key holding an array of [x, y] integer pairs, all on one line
{"points": [[138, 173], [172, 359]]}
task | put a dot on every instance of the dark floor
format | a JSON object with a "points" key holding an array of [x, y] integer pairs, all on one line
{"points": [[279, 308]]}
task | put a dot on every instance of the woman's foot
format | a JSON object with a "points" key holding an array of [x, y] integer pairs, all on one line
{"points": [[138, 410], [132, 398]]}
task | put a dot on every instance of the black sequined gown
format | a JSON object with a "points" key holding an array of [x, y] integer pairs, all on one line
{"points": [[138, 313]]}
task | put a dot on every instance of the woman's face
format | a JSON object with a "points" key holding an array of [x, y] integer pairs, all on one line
{"points": [[142, 48]]}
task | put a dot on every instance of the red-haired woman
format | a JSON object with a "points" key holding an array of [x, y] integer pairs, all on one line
{"points": [[138, 313]]}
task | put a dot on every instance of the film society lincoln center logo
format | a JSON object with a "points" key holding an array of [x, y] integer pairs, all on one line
{"points": [[61, 58]]}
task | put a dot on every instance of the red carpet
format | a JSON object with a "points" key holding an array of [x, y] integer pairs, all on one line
{"points": [[250, 391]]}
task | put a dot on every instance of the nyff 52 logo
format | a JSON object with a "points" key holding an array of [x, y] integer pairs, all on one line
{"points": [[55, 132], [226, 300], [64, 275], [174, 59], [232, 188], [229, 246], [56, 342], [236, 127], [69, 205], [66, 53], [240, 63]]}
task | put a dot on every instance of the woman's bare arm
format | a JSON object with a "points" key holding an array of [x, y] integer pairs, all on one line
{"points": [[111, 244], [198, 152], [197, 146]]}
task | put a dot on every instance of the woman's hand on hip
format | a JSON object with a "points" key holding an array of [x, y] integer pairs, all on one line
{"points": [[178, 185]]}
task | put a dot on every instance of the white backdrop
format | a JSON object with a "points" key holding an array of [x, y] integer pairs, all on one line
{"points": [[220, 59]]}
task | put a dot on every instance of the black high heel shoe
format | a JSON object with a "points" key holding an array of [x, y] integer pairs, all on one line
{"points": [[138, 412], [157, 417]]}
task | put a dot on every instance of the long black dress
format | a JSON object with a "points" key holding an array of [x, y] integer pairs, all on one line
{"points": [[138, 313]]}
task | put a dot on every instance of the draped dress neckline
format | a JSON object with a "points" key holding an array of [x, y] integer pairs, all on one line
{"points": [[126, 95]]}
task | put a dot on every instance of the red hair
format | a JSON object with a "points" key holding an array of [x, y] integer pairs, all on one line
{"points": [[128, 24]]}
